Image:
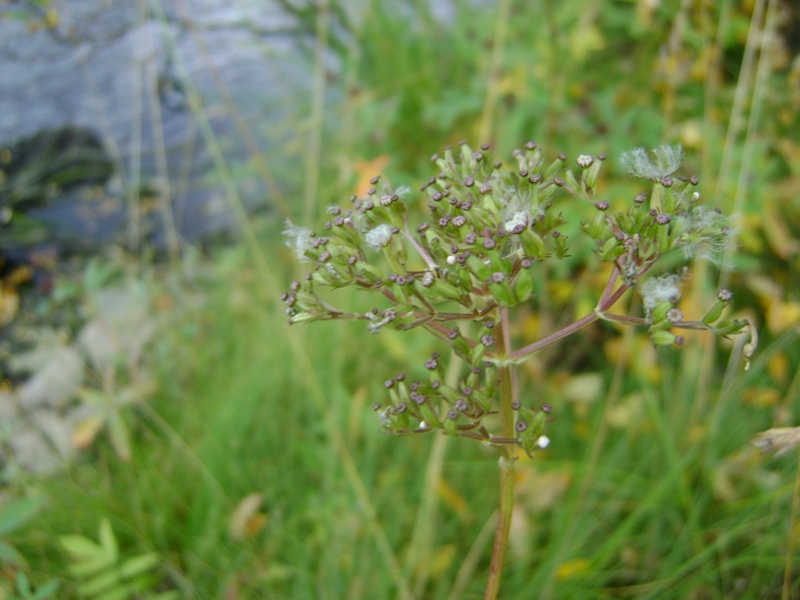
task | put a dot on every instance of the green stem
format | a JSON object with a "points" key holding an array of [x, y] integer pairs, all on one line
{"points": [[506, 501]]}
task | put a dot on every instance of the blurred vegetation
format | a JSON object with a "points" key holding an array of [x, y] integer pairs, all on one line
{"points": [[254, 467]]}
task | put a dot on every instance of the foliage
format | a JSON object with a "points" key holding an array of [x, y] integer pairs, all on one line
{"points": [[25, 592], [648, 489], [104, 575], [489, 230], [14, 515]]}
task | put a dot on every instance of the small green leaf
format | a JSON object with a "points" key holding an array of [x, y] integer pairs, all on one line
{"points": [[23, 585], [120, 438], [101, 583], [10, 555], [138, 564], [18, 513], [47, 589], [123, 593], [87, 567], [81, 548], [107, 539]]}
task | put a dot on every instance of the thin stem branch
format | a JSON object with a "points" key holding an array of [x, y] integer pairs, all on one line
{"points": [[420, 250], [604, 304]]}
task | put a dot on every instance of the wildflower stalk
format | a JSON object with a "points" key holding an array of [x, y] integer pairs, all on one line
{"points": [[506, 400], [476, 257]]}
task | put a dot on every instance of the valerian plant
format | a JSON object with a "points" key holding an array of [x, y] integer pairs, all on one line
{"points": [[459, 272]]}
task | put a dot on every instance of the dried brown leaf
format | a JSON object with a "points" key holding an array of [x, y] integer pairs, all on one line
{"points": [[779, 439]]}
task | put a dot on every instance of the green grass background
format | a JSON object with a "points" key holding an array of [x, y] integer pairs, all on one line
{"points": [[649, 489]]}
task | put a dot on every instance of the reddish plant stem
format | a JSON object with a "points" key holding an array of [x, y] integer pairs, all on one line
{"points": [[604, 304]]}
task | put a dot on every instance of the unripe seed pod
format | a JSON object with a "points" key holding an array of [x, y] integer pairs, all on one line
{"points": [[523, 288], [428, 413], [590, 176], [660, 310], [611, 249], [663, 338], [481, 270], [533, 244], [713, 315]]}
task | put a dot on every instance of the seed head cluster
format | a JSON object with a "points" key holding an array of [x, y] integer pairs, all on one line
{"points": [[477, 249]]}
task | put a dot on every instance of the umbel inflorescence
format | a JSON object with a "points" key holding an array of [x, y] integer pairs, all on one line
{"points": [[489, 226]]}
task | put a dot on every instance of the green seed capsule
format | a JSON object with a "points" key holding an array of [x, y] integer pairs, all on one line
{"points": [[482, 399], [476, 265], [713, 315], [429, 414], [553, 168], [533, 244], [571, 182], [597, 227], [611, 249], [303, 317], [476, 356], [450, 426], [657, 198], [590, 176], [523, 289], [659, 312], [663, 338], [662, 238], [503, 293]]}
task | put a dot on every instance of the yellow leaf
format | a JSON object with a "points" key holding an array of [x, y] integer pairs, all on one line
{"points": [[51, 19], [761, 397], [778, 367], [586, 40], [573, 567], [246, 520], [85, 432], [782, 315], [9, 305]]}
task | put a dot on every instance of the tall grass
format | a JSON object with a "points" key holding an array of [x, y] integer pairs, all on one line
{"points": [[649, 490]]}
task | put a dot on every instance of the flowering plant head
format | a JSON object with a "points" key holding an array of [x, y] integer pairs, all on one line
{"points": [[457, 272]]}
